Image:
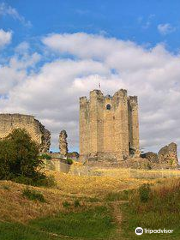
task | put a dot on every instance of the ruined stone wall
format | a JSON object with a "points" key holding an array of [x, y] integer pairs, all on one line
{"points": [[108, 125], [63, 145], [133, 122], [9, 122]]}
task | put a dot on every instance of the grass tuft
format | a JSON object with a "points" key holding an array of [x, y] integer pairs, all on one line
{"points": [[33, 195]]}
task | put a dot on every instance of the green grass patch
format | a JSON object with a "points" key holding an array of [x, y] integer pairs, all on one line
{"points": [[92, 224], [17, 231], [93, 199], [153, 208], [95, 224], [66, 204], [118, 196], [33, 195]]}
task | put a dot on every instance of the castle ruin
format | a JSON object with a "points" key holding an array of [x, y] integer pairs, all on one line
{"points": [[109, 126], [38, 133]]}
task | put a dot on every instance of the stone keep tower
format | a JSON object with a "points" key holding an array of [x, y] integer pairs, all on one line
{"points": [[109, 127]]}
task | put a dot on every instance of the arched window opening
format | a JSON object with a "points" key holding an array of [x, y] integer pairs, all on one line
{"points": [[108, 107]]}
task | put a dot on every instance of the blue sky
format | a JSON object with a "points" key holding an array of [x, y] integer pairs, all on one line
{"points": [[53, 52], [134, 20]]}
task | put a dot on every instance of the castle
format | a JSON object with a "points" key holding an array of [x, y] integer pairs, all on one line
{"points": [[109, 126], [109, 133]]}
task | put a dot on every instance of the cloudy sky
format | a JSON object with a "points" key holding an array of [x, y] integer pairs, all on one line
{"points": [[52, 52]]}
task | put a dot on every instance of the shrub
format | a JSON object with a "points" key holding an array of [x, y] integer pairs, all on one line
{"points": [[19, 159], [18, 155], [144, 192], [69, 161], [66, 204], [45, 156], [33, 195], [77, 203], [39, 180]]}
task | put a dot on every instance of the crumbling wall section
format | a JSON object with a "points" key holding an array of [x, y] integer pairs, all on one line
{"points": [[38, 133], [168, 154]]}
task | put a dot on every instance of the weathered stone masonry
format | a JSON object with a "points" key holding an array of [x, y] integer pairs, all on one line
{"points": [[109, 127], [63, 145], [9, 122]]}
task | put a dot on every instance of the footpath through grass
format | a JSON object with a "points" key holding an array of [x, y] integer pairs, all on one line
{"points": [[93, 224]]}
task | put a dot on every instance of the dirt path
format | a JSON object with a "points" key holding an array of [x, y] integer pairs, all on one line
{"points": [[116, 212]]}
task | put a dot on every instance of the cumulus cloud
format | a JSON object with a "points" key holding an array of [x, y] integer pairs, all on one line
{"points": [[5, 38], [165, 29], [82, 62], [16, 70], [7, 10]]}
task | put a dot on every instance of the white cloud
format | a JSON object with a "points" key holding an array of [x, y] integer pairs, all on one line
{"points": [[83, 60], [5, 38], [15, 72], [7, 10], [165, 29], [22, 48]]}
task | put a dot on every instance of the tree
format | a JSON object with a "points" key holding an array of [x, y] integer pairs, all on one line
{"points": [[19, 156]]}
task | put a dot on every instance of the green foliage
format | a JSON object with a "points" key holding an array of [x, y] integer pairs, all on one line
{"points": [[66, 204], [69, 161], [33, 195], [144, 192], [39, 180], [19, 160], [45, 156], [18, 155], [77, 203]]}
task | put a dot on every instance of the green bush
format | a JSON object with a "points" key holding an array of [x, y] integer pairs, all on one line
{"points": [[66, 204], [77, 203], [39, 180], [33, 195], [69, 161], [45, 156], [19, 160], [144, 192]]}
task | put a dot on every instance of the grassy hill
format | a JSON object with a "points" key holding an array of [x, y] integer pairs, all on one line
{"points": [[87, 207]]}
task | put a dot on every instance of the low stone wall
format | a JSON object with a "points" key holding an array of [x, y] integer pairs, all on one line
{"points": [[56, 165]]}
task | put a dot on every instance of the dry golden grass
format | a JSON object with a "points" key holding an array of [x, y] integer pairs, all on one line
{"points": [[15, 207], [139, 173], [97, 186]]}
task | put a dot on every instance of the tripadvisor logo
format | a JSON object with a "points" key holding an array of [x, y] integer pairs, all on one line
{"points": [[139, 231]]}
